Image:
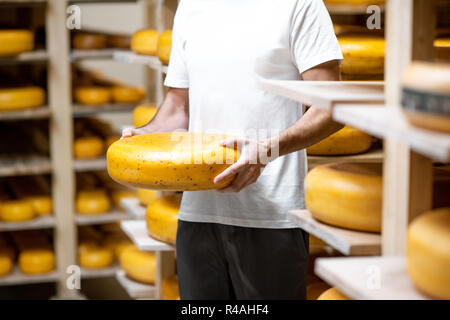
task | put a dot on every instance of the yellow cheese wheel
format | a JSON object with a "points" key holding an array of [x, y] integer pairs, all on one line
{"points": [[36, 261], [88, 147], [170, 288], [118, 194], [164, 46], [333, 294], [143, 114], [170, 161], [426, 95], [21, 98], [428, 253], [93, 95], [124, 94], [94, 256], [6, 259], [348, 140], [16, 211], [119, 41], [91, 202], [88, 41], [362, 54], [314, 290], [13, 42], [442, 49], [42, 205], [139, 265], [162, 218], [145, 42], [146, 196], [346, 195]]}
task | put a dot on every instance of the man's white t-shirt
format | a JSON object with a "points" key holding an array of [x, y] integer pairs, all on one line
{"points": [[216, 47]]}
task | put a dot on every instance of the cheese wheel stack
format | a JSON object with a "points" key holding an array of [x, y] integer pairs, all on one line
{"points": [[13, 42], [35, 252], [35, 190], [139, 265], [428, 253], [162, 218], [426, 95], [14, 210], [146, 196], [177, 161]]}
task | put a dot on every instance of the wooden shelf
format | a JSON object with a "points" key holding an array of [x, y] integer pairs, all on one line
{"points": [[347, 242], [28, 57], [40, 222], [133, 288], [354, 277], [79, 110], [388, 122], [87, 273], [77, 54], [37, 113], [326, 94], [23, 164], [17, 278], [134, 208], [131, 57], [89, 164], [137, 231], [373, 156], [112, 216], [349, 9]]}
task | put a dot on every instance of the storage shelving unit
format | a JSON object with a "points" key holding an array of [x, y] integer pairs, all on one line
{"points": [[409, 152], [41, 222]]}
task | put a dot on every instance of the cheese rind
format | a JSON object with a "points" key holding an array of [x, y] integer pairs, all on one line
{"points": [[346, 195], [162, 218], [21, 98], [164, 46], [333, 294], [139, 265], [145, 42], [362, 54], [13, 42], [143, 113], [428, 253]]}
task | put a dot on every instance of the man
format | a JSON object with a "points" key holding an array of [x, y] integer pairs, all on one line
{"points": [[239, 242]]}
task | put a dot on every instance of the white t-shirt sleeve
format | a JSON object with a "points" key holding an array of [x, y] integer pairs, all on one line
{"points": [[177, 75], [312, 36]]}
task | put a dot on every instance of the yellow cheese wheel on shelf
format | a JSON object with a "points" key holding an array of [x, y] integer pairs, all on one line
{"points": [[42, 205], [162, 218], [346, 195], [94, 256], [314, 290], [145, 42], [119, 41], [442, 49], [93, 95], [88, 147], [178, 161], [363, 54], [139, 265], [333, 294], [89, 41], [117, 243], [170, 288], [118, 194], [13, 42], [6, 259], [21, 98], [426, 95], [143, 113], [346, 141], [91, 202], [146, 196], [16, 211], [36, 261], [124, 94], [164, 46], [428, 253]]}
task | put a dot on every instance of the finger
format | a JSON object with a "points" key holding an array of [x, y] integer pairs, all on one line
{"points": [[127, 132], [230, 171], [242, 180], [231, 142]]}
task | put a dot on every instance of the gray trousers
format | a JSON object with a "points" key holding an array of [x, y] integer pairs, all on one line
{"points": [[216, 261]]}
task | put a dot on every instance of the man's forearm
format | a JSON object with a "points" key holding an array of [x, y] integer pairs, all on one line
{"points": [[315, 125], [172, 115]]}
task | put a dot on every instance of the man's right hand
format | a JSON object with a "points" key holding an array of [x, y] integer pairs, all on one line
{"points": [[129, 132]]}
